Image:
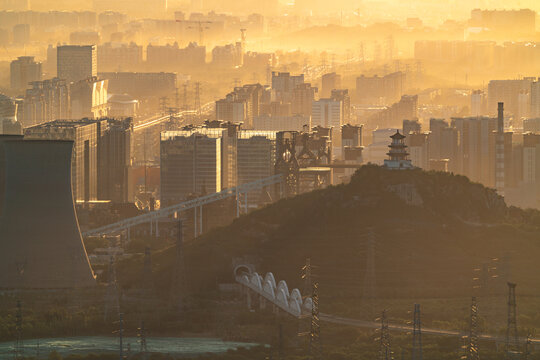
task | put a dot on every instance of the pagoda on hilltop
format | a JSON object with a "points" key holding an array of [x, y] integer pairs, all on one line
{"points": [[398, 155]]}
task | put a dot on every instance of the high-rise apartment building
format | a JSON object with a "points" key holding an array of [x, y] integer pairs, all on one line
{"points": [[473, 152], [283, 84], [8, 117], [198, 160], [84, 167], [303, 96], [233, 109], [101, 155], [411, 126], [531, 125], [478, 103], [384, 90], [256, 155], [89, 98], [328, 113], [141, 85], [343, 96], [535, 99], [228, 56], [242, 105], [513, 93], [75, 63], [23, 71], [267, 122], [329, 82], [46, 101], [119, 56], [418, 144]]}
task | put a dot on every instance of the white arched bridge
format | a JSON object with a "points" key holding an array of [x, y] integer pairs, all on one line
{"points": [[293, 303], [277, 294]]}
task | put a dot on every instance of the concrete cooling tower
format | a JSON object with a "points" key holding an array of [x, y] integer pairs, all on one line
{"points": [[40, 242]]}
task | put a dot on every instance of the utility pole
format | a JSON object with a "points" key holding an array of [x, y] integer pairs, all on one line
{"points": [[417, 334], [369, 276], [315, 346], [384, 352], [512, 341], [472, 351], [142, 338], [528, 343], [19, 347], [120, 333]]}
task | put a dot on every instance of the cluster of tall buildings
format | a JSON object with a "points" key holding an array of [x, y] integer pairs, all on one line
{"points": [[79, 91], [101, 155], [198, 160], [380, 90], [484, 149], [289, 104], [213, 157]]}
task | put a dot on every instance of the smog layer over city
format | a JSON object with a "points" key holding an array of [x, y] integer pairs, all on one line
{"points": [[269, 179]]}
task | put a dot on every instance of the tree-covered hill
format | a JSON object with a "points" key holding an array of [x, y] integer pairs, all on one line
{"points": [[428, 231]]}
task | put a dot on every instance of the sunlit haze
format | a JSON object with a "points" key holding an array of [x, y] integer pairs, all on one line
{"points": [[273, 179]]}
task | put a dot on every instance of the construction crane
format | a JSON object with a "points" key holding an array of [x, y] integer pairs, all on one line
{"points": [[200, 28]]}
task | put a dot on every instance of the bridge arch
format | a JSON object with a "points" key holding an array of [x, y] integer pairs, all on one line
{"points": [[242, 269]]}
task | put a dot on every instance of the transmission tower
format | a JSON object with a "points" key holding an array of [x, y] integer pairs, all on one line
{"points": [[120, 333], [512, 341], [306, 276], [472, 349], [112, 303], [198, 97], [369, 275], [178, 287], [315, 346], [19, 346], [142, 338], [384, 352], [417, 334], [528, 345]]}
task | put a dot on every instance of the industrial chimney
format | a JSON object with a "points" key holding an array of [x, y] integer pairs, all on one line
{"points": [[41, 245]]}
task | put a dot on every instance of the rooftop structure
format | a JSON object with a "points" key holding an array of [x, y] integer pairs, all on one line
{"points": [[398, 155]]}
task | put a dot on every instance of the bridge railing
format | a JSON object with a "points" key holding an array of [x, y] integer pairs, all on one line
{"points": [[184, 206]]}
